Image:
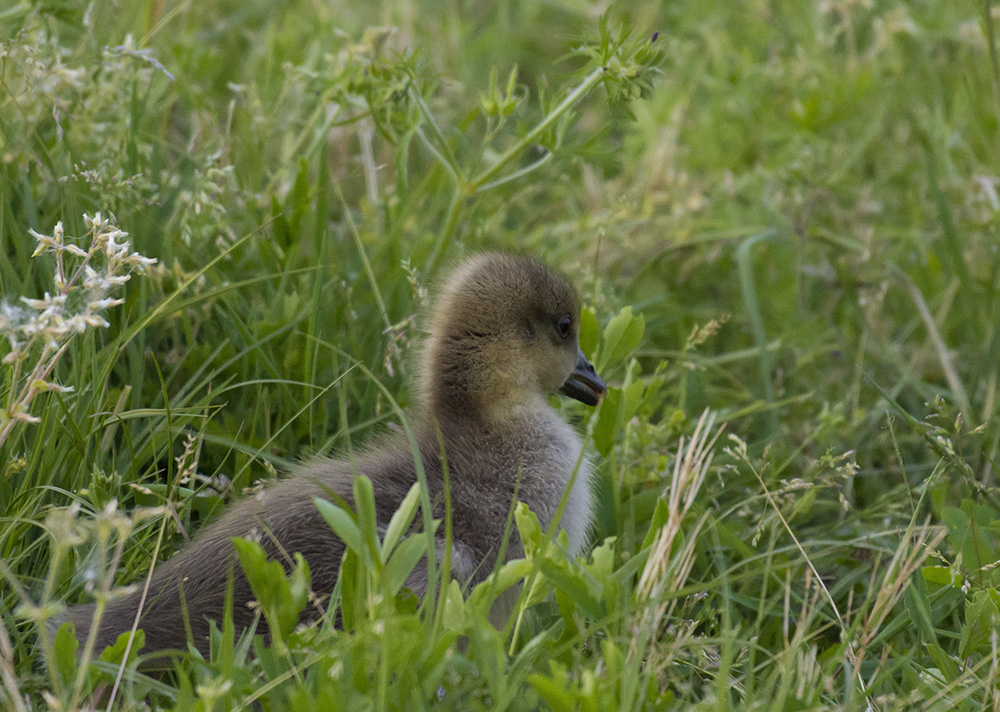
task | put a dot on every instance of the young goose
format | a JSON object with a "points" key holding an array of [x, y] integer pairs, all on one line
{"points": [[503, 335]]}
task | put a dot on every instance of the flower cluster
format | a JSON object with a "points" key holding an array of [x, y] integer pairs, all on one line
{"points": [[39, 331]]}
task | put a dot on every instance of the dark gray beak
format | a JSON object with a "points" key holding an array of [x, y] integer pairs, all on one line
{"points": [[584, 384]]}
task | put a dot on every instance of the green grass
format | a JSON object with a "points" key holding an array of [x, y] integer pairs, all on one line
{"points": [[798, 202]]}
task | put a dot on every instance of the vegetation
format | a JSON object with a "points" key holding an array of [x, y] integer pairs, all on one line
{"points": [[783, 217]]}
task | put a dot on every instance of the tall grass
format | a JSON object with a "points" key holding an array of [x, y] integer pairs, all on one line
{"points": [[785, 213]]}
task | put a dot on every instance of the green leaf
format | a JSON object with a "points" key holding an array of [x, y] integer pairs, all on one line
{"points": [[555, 696], [603, 559], [919, 608], [660, 516], [969, 532], [64, 654], [529, 529], [401, 520], [943, 661], [115, 654], [633, 392], [619, 406], [281, 599], [590, 332], [574, 585], [510, 574], [554, 690], [606, 430], [300, 583], [353, 590], [453, 618], [982, 618], [622, 334], [942, 576], [364, 505], [344, 526], [403, 561]]}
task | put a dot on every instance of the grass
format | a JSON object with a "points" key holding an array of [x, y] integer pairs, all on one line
{"points": [[785, 213]]}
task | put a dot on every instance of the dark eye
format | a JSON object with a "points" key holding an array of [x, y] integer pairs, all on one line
{"points": [[562, 326]]}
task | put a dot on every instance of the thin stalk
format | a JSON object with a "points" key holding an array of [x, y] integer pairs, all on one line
{"points": [[448, 232], [364, 259], [7, 672], [452, 171], [516, 174], [29, 392], [572, 98], [446, 156], [488, 178]]}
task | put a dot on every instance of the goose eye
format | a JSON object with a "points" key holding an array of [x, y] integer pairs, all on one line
{"points": [[562, 326]]}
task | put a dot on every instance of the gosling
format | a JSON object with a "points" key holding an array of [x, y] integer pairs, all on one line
{"points": [[502, 337]]}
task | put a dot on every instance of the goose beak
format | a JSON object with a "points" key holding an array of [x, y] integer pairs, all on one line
{"points": [[584, 384]]}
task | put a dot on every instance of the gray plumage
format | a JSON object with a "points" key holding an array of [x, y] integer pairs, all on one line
{"points": [[503, 335]]}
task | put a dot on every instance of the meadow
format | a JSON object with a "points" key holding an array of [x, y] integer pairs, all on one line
{"points": [[783, 221]]}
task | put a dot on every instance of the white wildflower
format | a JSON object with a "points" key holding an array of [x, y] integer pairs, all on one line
{"points": [[48, 305], [139, 263], [94, 320], [45, 243], [42, 328], [96, 223], [42, 386], [74, 250], [99, 304], [110, 246], [21, 414], [93, 280]]}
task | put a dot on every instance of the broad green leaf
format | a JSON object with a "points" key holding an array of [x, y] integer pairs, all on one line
{"points": [[943, 661], [554, 690], [510, 574], [353, 590], [622, 334], [603, 557], [556, 697], [575, 586], [606, 430], [454, 608], [589, 332], [403, 561], [529, 529], [64, 653], [660, 516], [401, 520], [114, 654], [282, 599], [364, 505], [982, 618], [343, 525], [619, 406], [970, 534], [941, 576]]}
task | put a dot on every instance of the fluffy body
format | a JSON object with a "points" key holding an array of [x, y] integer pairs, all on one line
{"points": [[496, 348]]}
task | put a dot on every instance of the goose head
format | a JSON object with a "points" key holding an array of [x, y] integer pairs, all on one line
{"points": [[504, 335]]}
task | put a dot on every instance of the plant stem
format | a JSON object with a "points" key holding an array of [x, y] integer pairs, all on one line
{"points": [[487, 179], [42, 369], [446, 157], [448, 232], [572, 98]]}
